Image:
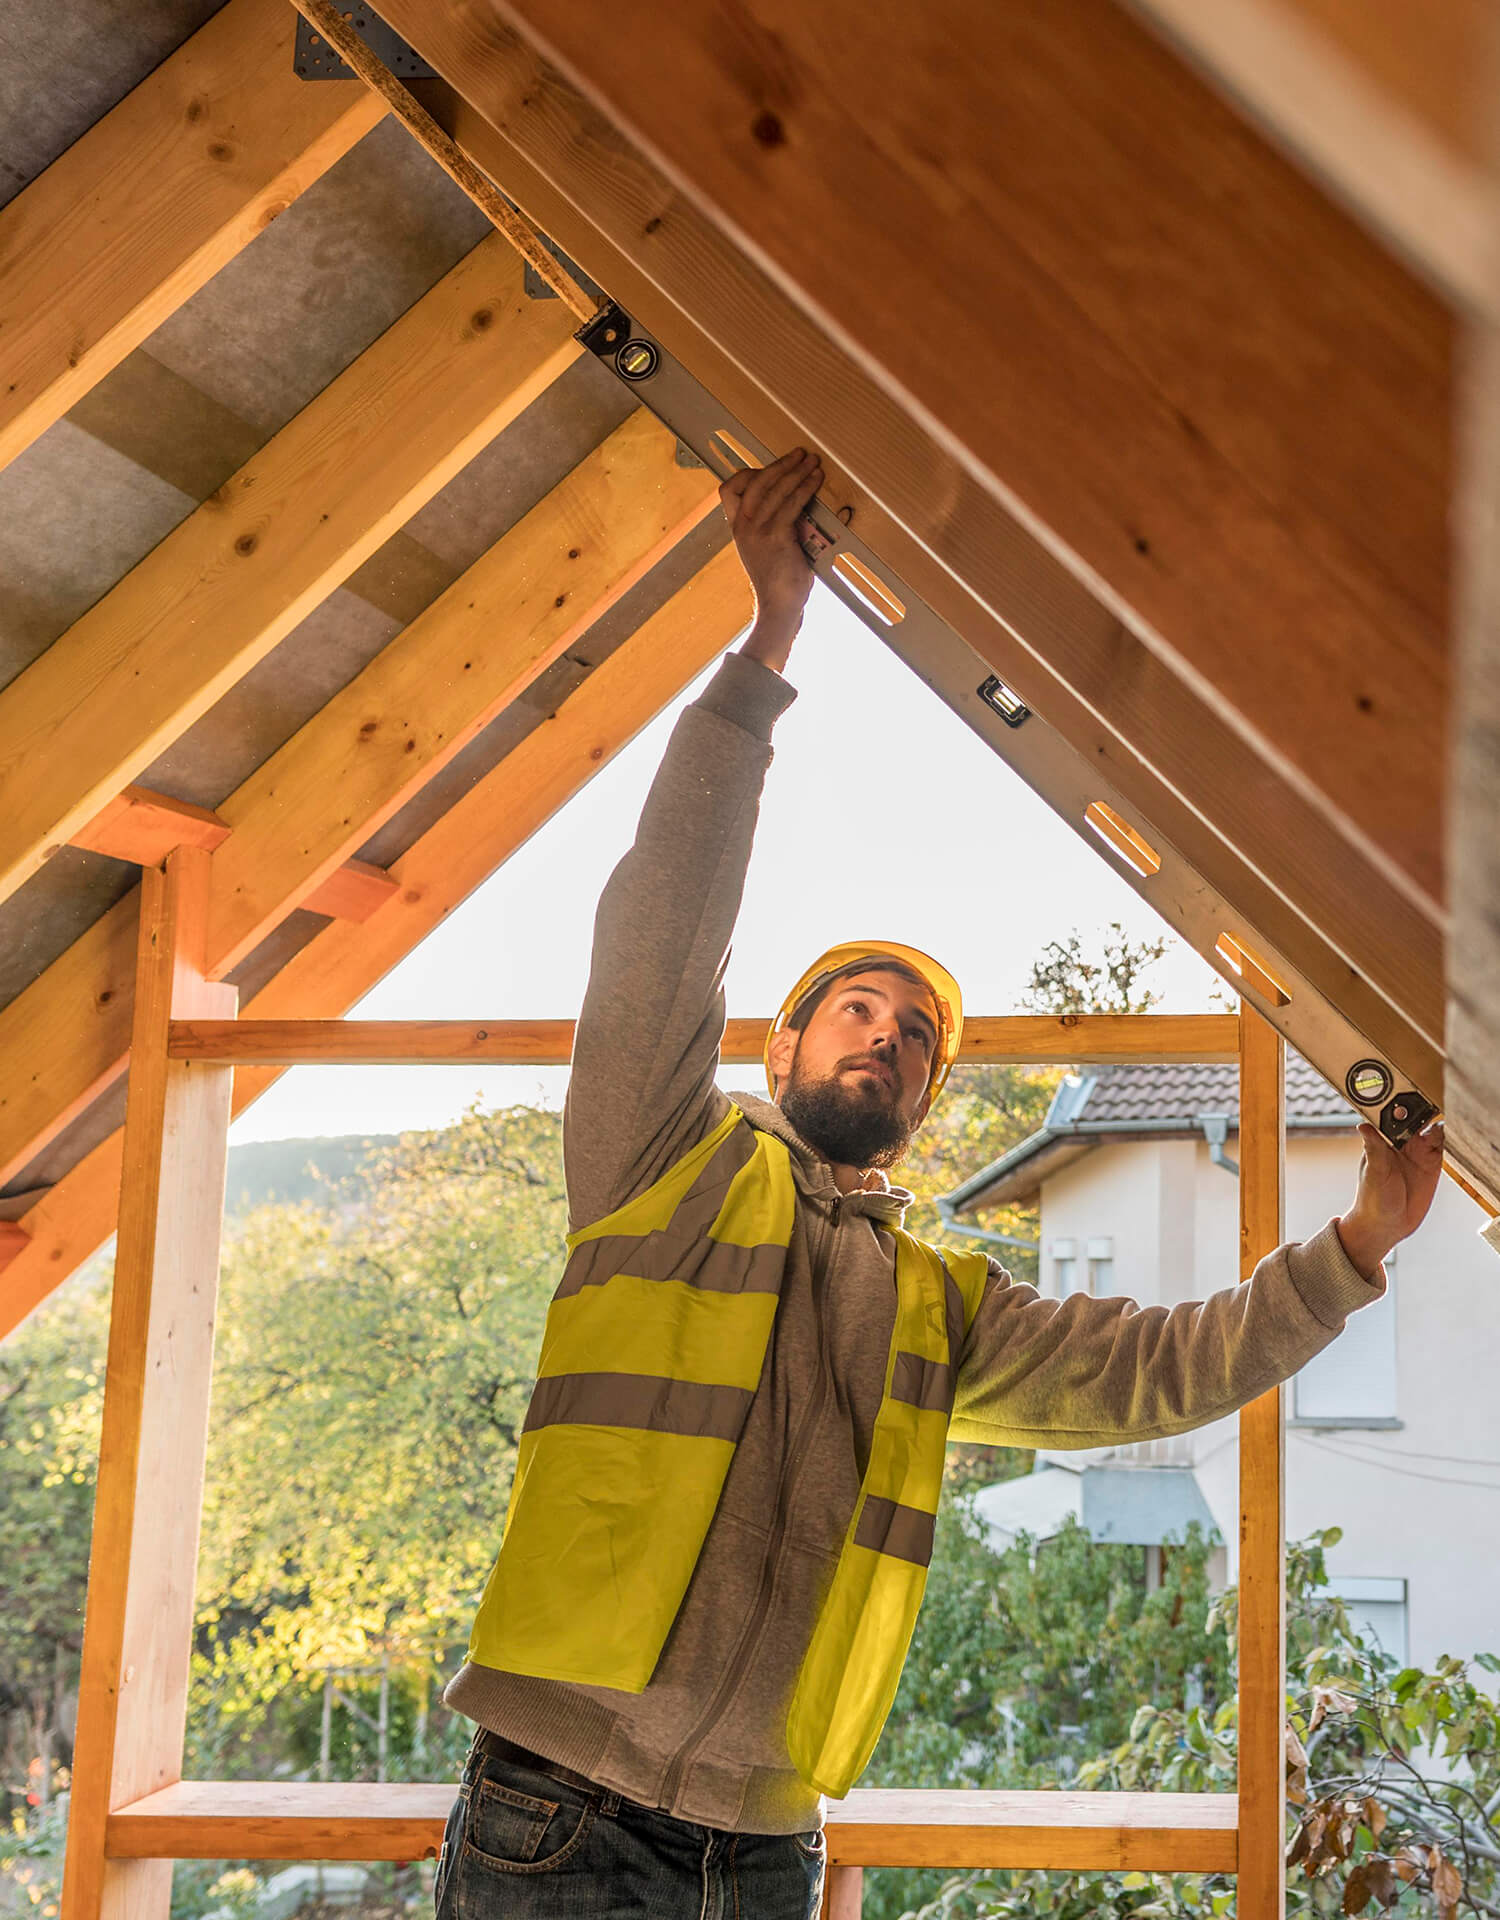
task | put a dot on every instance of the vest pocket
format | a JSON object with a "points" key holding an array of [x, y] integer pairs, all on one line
{"points": [[514, 1832]]}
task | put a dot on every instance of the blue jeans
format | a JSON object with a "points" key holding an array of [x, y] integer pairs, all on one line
{"points": [[523, 1844]]}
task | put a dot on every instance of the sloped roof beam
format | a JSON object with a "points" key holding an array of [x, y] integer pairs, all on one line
{"points": [[148, 204], [498, 815], [214, 597], [1125, 317], [1189, 776], [288, 830]]}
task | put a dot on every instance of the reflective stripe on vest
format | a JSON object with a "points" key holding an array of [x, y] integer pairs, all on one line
{"points": [[653, 1349]]}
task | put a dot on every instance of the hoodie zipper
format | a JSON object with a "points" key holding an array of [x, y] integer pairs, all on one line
{"points": [[791, 1478]]}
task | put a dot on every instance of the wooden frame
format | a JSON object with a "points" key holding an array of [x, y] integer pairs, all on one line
{"points": [[133, 1813]]}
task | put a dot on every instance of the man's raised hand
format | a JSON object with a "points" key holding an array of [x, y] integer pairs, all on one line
{"points": [[1396, 1186], [763, 506]]}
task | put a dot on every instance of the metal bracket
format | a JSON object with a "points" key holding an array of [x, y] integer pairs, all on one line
{"points": [[314, 59], [1056, 771]]}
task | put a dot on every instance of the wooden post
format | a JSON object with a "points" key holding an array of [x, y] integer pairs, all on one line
{"points": [[1262, 1639], [843, 1893], [132, 1706]]}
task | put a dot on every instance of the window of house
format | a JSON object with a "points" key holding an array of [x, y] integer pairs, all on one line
{"points": [[1352, 1382], [1101, 1259], [1065, 1275]]}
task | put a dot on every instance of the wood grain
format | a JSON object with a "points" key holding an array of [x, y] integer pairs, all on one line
{"points": [[141, 825], [1148, 1832], [446, 676], [1380, 99], [342, 963], [1262, 1554], [236, 576], [1071, 1039], [152, 200], [143, 1556], [1250, 832], [1202, 383]]}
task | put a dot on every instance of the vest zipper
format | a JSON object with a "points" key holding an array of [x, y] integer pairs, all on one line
{"points": [[791, 1478]]}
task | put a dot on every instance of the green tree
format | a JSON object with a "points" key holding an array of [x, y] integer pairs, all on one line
{"points": [[1065, 980]]}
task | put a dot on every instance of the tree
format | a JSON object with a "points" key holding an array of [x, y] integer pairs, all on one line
{"points": [[1064, 980], [1393, 1790]]}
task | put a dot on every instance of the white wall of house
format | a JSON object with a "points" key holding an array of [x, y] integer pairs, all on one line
{"points": [[1393, 1432]]}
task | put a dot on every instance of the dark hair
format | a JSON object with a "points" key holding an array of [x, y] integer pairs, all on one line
{"points": [[808, 1005]]}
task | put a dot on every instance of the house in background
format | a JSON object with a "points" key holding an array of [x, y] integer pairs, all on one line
{"points": [[1393, 1431]]}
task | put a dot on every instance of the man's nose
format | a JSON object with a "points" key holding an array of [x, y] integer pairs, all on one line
{"points": [[885, 1039]]}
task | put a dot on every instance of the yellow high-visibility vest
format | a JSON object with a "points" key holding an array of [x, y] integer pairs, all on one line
{"points": [[652, 1352]]}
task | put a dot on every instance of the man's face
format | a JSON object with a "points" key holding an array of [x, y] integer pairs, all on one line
{"points": [[854, 1080]]}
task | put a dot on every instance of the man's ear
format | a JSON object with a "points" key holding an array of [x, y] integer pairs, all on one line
{"points": [[921, 1114], [783, 1053]]}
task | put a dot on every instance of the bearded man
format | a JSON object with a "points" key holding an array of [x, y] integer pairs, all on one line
{"points": [[725, 1491]]}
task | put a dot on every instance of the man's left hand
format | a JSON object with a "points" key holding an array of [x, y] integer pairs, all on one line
{"points": [[1396, 1186]]}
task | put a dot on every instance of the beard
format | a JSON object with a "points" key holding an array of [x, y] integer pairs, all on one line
{"points": [[860, 1126]]}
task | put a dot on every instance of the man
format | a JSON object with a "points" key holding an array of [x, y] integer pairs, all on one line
{"points": [[724, 1496]]}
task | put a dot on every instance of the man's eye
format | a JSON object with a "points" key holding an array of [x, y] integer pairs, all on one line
{"points": [[858, 1006]]}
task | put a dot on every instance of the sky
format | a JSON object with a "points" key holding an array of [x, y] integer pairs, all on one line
{"points": [[883, 816]]}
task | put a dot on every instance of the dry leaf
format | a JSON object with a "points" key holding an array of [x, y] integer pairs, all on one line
{"points": [[1296, 1753], [1375, 1818], [1447, 1885]]}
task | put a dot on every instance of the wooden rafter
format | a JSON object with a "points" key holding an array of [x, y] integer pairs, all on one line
{"points": [[152, 201], [497, 815], [1235, 429], [220, 591], [1381, 99], [499, 626], [284, 837], [1273, 857]]}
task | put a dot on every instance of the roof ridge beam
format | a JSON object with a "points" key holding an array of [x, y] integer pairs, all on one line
{"points": [[285, 836], [153, 199], [477, 834], [218, 593]]}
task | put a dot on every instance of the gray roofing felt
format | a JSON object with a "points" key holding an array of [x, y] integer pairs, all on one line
{"points": [[1174, 1089]]}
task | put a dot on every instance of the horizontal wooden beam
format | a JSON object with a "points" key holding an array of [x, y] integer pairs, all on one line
{"points": [[144, 826], [480, 831], [240, 573], [148, 204], [1041, 1039], [1235, 429], [876, 1827], [351, 892], [1380, 101], [1183, 773]]}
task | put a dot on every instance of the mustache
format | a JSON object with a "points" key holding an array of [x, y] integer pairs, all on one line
{"points": [[870, 1060]]}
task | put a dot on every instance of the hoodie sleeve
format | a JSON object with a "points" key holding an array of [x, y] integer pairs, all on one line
{"points": [[646, 1051], [1086, 1372]]}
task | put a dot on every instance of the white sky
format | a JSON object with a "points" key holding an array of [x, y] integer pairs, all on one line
{"points": [[883, 816]]}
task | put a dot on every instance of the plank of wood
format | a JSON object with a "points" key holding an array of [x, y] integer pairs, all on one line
{"points": [[151, 201], [1070, 1039], [1377, 98], [1186, 774], [143, 1555], [14, 1239], [1262, 1556], [292, 1820], [1236, 428], [427, 694], [843, 1893], [66, 1037], [144, 826], [216, 595], [481, 831], [351, 892]]}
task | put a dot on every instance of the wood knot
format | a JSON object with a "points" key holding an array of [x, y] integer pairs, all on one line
{"points": [[246, 545], [369, 728], [220, 150], [484, 318], [767, 130], [194, 112]]}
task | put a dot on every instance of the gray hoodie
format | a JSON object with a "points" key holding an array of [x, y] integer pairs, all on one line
{"points": [[706, 1739]]}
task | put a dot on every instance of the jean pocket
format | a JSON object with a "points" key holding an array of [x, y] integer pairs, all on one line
{"points": [[812, 1845], [515, 1832]]}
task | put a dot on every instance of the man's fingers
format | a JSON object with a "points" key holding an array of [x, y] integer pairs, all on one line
{"points": [[791, 509], [785, 498], [761, 481]]}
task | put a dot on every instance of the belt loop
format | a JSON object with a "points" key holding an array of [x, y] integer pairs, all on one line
{"points": [[610, 1804]]}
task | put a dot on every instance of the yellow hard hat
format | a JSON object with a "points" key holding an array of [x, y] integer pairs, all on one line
{"points": [[940, 983]]}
